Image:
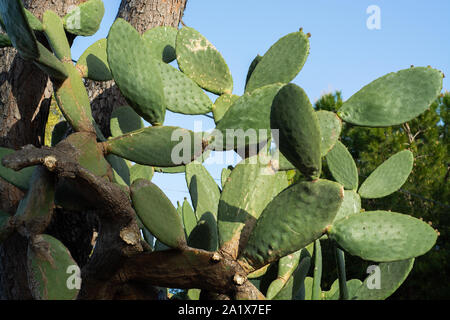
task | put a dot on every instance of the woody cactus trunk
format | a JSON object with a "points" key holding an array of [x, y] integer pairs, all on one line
{"points": [[259, 234]]}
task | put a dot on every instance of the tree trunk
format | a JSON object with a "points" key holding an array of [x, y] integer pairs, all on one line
{"points": [[25, 96]]}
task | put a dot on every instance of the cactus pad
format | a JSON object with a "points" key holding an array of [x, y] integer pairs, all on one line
{"points": [[222, 104], [161, 41], [136, 72], [342, 166], [392, 275], [383, 236], [201, 61], [189, 217], [282, 62], [250, 112], [181, 93], [245, 195], [157, 213], [73, 101], [138, 171], [350, 205], [203, 189], [124, 120], [56, 36], [155, 146], [293, 219], [330, 130], [48, 264], [299, 131], [93, 63], [394, 98], [389, 176], [85, 19]]}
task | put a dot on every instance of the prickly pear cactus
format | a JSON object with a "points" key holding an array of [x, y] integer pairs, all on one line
{"points": [[258, 230]]}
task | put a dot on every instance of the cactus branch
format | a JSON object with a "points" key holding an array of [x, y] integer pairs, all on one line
{"points": [[316, 291], [340, 261]]}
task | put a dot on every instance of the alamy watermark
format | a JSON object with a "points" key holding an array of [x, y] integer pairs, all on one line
{"points": [[373, 281], [374, 20], [73, 282]]}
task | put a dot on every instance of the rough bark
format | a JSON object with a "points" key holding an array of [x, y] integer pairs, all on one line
{"points": [[25, 96]]}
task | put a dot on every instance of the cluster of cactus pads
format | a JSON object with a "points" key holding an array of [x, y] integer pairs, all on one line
{"points": [[268, 225]]}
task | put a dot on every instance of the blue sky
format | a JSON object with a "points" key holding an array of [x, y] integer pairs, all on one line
{"points": [[345, 55]]}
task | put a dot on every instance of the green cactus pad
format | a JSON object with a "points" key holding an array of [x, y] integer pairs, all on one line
{"points": [[291, 290], [18, 29], [204, 191], [330, 130], [136, 72], [50, 64], [391, 276], [250, 113], [73, 101], [120, 168], [333, 294], [394, 98], [189, 218], [6, 226], [201, 62], [252, 67], [204, 235], [260, 272], [383, 236], [342, 166], [388, 177], [297, 216], [138, 171], [222, 104], [250, 187], [49, 262], [85, 19], [155, 146], [161, 41], [5, 41], [21, 179], [350, 205], [124, 120], [224, 176], [177, 169], [56, 36], [299, 130], [157, 213], [36, 208], [93, 63], [89, 153], [282, 62], [182, 94], [286, 267], [34, 22]]}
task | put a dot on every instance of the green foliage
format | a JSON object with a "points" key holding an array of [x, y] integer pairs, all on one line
{"points": [[424, 194], [264, 220]]}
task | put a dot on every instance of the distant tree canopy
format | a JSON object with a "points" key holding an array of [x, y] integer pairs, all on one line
{"points": [[425, 194]]}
